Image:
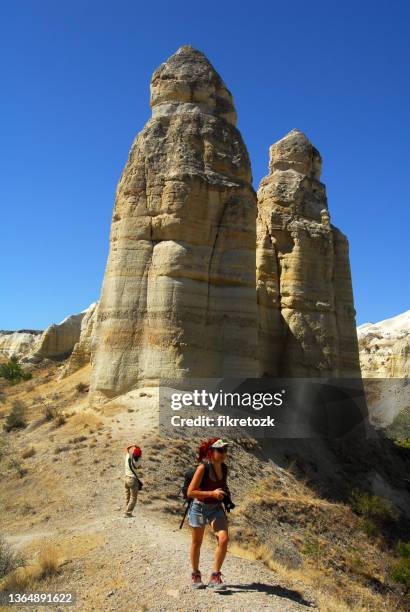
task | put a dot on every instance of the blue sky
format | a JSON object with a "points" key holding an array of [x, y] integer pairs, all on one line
{"points": [[75, 79]]}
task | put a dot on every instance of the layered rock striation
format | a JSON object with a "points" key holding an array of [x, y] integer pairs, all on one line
{"points": [[304, 290], [178, 295], [55, 342], [58, 340], [81, 352]]}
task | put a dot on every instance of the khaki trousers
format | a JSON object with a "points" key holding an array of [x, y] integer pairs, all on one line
{"points": [[131, 493]]}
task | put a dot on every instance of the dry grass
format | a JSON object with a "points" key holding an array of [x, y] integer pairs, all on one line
{"points": [[48, 561], [81, 421], [335, 567], [28, 452], [346, 568], [330, 595], [25, 578], [20, 580]]}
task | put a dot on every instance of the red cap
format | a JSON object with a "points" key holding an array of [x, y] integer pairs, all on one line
{"points": [[136, 452]]}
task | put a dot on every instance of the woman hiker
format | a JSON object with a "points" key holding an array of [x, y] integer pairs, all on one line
{"points": [[208, 487]]}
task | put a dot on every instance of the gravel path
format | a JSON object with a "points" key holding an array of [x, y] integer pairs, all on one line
{"points": [[120, 564], [144, 565], [163, 572]]}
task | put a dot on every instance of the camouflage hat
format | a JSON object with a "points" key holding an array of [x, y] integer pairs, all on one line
{"points": [[221, 443]]}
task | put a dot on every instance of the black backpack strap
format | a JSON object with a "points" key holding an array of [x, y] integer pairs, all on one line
{"points": [[225, 475], [132, 467], [206, 471]]}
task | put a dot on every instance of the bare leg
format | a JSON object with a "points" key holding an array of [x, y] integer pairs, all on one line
{"points": [[197, 537], [220, 552]]}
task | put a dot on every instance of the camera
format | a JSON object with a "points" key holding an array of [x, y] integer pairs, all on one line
{"points": [[227, 501]]}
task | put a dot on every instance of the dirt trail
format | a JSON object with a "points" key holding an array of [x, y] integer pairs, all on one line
{"points": [[72, 498], [143, 565]]}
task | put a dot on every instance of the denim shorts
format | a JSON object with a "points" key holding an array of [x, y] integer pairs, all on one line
{"points": [[200, 513]]}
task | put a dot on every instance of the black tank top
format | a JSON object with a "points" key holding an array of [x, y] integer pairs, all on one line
{"points": [[210, 485]]}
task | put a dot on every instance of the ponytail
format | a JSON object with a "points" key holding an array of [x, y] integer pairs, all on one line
{"points": [[204, 449]]}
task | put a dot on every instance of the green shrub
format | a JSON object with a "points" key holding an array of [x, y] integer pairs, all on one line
{"points": [[372, 507], [403, 548], [400, 572], [399, 430], [82, 388], [13, 372], [9, 560], [16, 419], [369, 527], [313, 548]]}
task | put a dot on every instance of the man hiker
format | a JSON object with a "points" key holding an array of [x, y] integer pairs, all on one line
{"points": [[132, 482]]}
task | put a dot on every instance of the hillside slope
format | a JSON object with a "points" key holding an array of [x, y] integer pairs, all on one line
{"points": [[291, 544]]}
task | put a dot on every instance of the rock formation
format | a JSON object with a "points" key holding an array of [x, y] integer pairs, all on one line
{"points": [[58, 340], [385, 347], [17, 343], [178, 295], [304, 291], [82, 349]]}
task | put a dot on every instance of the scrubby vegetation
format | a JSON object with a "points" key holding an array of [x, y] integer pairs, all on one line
{"points": [[55, 414], [374, 510], [9, 559], [399, 430], [3, 446], [82, 388], [16, 466], [19, 576], [400, 571], [16, 419], [13, 372]]}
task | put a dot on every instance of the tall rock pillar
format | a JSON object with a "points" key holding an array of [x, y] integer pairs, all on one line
{"points": [[178, 295], [305, 300]]}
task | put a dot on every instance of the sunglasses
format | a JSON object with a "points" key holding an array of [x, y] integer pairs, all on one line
{"points": [[224, 449]]}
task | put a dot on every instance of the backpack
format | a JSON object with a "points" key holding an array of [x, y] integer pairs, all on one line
{"points": [[189, 474]]}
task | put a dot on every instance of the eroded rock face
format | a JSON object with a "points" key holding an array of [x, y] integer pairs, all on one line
{"points": [[17, 343], [55, 342], [58, 340], [178, 295], [304, 290], [81, 353]]}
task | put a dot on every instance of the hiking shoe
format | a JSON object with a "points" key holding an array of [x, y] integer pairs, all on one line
{"points": [[196, 580], [128, 515], [216, 583]]}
